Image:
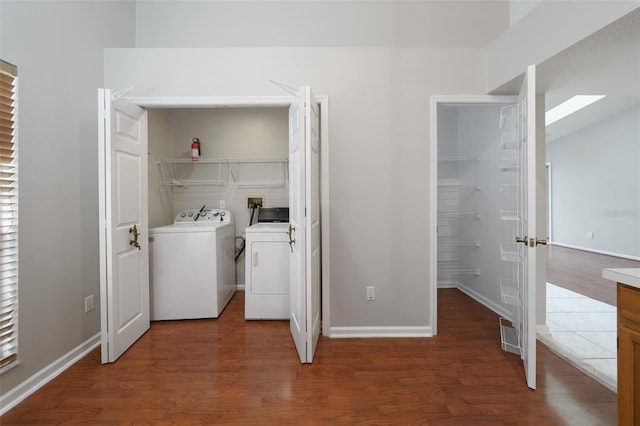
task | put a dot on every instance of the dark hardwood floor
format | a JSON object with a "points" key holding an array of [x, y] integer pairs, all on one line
{"points": [[581, 271], [233, 372]]}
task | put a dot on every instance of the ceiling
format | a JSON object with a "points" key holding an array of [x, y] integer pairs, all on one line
{"points": [[605, 63]]}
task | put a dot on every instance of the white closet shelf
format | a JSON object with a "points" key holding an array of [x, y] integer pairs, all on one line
{"points": [[509, 292], [195, 182], [222, 160], [446, 242], [459, 214], [456, 159], [509, 165], [509, 337], [260, 185], [261, 173], [509, 215], [457, 186], [509, 252], [461, 271]]}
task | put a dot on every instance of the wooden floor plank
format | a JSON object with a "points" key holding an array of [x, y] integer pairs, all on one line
{"points": [[235, 372], [581, 271]]}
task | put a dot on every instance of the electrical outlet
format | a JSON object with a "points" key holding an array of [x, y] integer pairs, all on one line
{"points": [[223, 204], [89, 303], [371, 293], [255, 200], [589, 234]]}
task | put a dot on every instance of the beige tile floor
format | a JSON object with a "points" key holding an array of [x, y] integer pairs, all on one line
{"points": [[583, 331]]}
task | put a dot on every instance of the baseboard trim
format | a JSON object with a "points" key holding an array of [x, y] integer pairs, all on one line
{"points": [[48, 373], [543, 330], [500, 310], [606, 253], [356, 332]]}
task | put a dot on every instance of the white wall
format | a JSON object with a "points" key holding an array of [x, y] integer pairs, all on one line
{"points": [[424, 23], [379, 146], [596, 185], [547, 30], [58, 48], [160, 147]]}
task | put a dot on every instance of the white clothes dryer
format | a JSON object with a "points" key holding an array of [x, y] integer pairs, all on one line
{"points": [[267, 271], [192, 267]]}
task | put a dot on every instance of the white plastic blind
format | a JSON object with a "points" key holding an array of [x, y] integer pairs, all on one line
{"points": [[8, 217]]}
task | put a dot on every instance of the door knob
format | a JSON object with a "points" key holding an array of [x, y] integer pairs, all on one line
{"points": [[539, 241], [523, 240], [136, 234]]}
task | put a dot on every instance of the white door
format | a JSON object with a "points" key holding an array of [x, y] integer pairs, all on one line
{"points": [[124, 252], [528, 188], [304, 219]]}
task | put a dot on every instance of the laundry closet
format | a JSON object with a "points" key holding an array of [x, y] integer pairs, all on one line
{"points": [[477, 201], [243, 154]]}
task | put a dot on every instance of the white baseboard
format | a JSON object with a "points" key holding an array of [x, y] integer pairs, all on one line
{"points": [[542, 330], [240, 287], [44, 376], [351, 332], [498, 309], [607, 253]]}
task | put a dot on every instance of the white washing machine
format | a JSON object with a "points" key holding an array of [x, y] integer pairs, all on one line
{"points": [[267, 270], [192, 267]]}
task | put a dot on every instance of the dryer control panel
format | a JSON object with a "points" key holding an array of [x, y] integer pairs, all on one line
{"points": [[203, 215]]}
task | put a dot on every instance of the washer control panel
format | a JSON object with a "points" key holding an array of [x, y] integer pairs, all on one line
{"points": [[203, 215]]}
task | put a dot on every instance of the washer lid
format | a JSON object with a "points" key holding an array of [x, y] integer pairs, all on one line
{"points": [[190, 227]]}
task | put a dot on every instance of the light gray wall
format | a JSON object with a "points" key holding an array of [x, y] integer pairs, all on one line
{"points": [[57, 47], [545, 32], [596, 185], [429, 23], [379, 146], [160, 147]]}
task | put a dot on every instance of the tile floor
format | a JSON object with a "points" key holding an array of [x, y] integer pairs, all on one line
{"points": [[583, 330]]}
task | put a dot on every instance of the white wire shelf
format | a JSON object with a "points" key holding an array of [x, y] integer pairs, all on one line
{"points": [[194, 182], [509, 337], [243, 173], [509, 252], [457, 186], [509, 292], [461, 271], [509, 215], [464, 243], [455, 214], [456, 159], [223, 160]]}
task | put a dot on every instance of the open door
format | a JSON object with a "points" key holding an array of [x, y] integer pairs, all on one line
{"points": [[304, 228], [124, 252], [528, 186]]}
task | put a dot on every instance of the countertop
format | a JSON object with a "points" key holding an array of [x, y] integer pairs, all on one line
{"points": [[628, 276]]}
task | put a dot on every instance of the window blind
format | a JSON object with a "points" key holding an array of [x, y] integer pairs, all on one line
{"points": [[8, 216]]}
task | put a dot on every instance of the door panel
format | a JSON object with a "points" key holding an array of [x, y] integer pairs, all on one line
{"points": [[124, 281], [527, 210], [297, 197], [304, 218], [312, 141]]}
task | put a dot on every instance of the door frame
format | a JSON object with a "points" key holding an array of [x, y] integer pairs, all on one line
{"points": [[433, 148], [275, 101]]}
